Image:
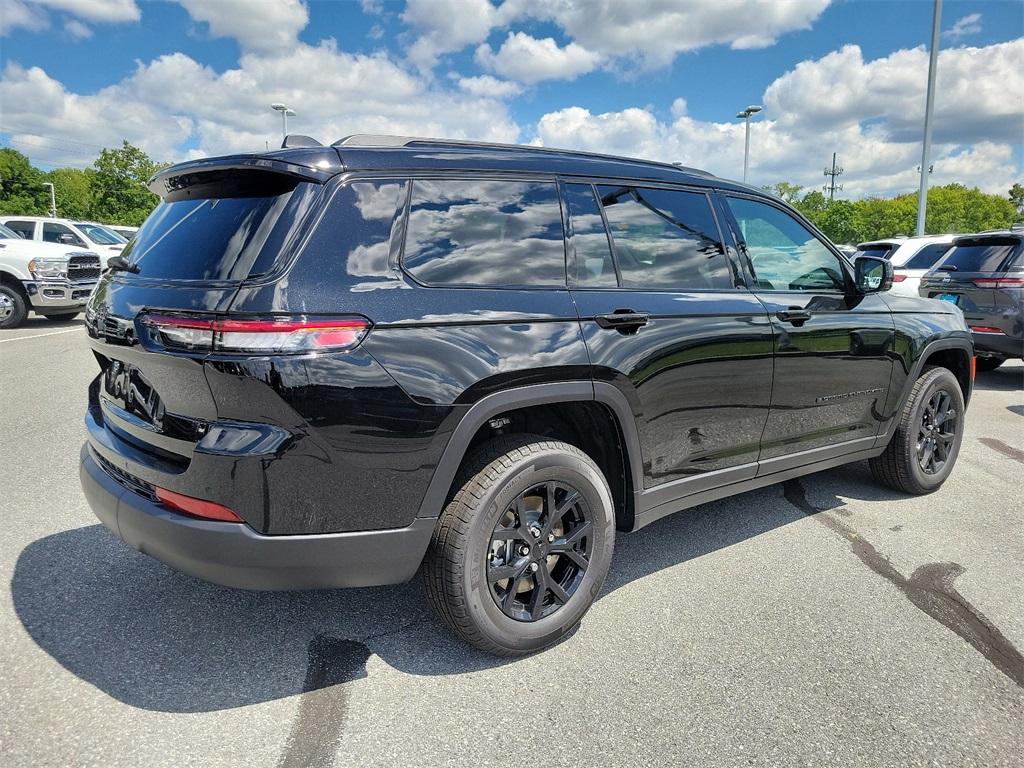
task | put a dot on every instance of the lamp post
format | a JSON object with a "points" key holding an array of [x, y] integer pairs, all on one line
{"points": [[929, 107], [745, 116], [53, 199], [285, 110]]}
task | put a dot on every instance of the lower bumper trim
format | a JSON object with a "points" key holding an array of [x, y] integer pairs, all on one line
{"points": [[234, 555]]}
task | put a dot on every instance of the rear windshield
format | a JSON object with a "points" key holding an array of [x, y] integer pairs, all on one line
{"points": [[927, 256], [878, 251], [220, 238], [989, 255]]}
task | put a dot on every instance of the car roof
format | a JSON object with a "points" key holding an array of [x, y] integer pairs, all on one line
{"points": [[371, 153], [995, 234]]}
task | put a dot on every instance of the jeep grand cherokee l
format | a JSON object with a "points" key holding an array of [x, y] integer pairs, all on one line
{"points": [[338, 366]]}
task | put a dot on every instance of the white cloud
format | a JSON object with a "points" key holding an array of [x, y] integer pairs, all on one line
{"points": [[869, 112], [485, 85], [979, 92], [267, 26], [372, 7], [77, 30], [966, 25], [15, 14], [529, 60], [177, 102], [32, 14], [679, 107], [99, 11], [656, 31], [650, 31], [448, 25]]}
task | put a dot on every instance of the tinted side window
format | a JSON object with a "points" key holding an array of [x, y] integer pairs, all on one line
{"points": [[485, 232], [927, 256], [24, 228], [665, 239], [52, 233], [593, 262], [783, 253]]}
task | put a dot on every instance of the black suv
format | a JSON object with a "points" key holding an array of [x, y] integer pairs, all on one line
{"points": [[338, 366], [984, 275]]}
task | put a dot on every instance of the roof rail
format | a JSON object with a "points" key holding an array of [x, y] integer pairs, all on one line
{"points": [[383, 140]]}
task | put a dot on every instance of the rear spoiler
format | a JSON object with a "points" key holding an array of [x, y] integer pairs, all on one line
{"points": [[313, 165]]}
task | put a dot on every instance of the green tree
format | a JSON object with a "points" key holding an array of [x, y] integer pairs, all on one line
{"points": [[785, 190], [1017, 198], [21, 186], [119, 188], [73, 188]]}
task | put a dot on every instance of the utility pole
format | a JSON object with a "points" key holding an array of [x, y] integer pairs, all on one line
{"points": [[53, 199], [832, 173], [745, 116], [926, 150]]}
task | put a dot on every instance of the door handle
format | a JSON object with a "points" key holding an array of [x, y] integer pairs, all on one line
{"points": [[795, 315], [623, 320]]}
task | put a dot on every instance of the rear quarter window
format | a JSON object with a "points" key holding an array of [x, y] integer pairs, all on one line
{"points": [[485, 232], [927, 257], [216, 238]]}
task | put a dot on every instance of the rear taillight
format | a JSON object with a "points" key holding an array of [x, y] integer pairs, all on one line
{"points": [[267, 335], [999, 282], [986, 329], [898, 278], [206, 510]]}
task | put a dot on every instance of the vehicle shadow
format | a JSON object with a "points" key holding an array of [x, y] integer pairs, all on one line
{"points": [[1006, 378], [159, 640]]}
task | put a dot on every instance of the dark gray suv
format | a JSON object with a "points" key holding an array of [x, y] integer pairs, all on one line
{"points": [[984, 276]]}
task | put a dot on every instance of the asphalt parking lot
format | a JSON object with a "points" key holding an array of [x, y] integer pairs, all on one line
{"points": [[824, 622]]}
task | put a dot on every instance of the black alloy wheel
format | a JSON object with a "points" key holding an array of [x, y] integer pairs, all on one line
{"points": [[937, 432], [539, 551]]}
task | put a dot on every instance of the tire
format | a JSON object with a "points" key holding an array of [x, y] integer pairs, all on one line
{"points": [[63, 316], [985, 364], [905, 464], [494, 512], [13, 307]]}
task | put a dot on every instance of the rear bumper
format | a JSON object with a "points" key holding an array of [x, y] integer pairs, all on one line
{"points": [[988, 344], [235, 555]]}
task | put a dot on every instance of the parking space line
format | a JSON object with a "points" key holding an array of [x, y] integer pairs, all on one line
{"points": [[40, 335]]}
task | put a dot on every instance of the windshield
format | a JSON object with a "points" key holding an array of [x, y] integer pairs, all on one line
{"points": [[8, 234], [220, 238], [988, 255], [101, 235], [879, 250]]}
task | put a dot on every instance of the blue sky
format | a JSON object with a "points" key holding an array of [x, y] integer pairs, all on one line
{"points": [[648, 78]]}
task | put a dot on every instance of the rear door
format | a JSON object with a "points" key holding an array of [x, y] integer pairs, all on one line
{"points": [[667, 321], [832, 345], [190, 256]]}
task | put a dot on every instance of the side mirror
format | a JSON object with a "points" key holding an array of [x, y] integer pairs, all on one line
{"points": [[873, 275], [69, 239]]}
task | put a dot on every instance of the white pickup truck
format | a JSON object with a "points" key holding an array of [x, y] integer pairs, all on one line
{"points": [[47, 278]]}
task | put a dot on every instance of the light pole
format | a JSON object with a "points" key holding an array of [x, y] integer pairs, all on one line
{"points": [[929, 106], [745, 115], [53, 199], [285, 111]]}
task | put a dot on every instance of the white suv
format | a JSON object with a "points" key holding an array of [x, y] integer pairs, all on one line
{"points": [[913, 258], [48, 278], [80, 234]]}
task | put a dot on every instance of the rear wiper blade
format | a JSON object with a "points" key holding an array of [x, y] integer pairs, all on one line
{"points": [[948, 268], [121, 264]]}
